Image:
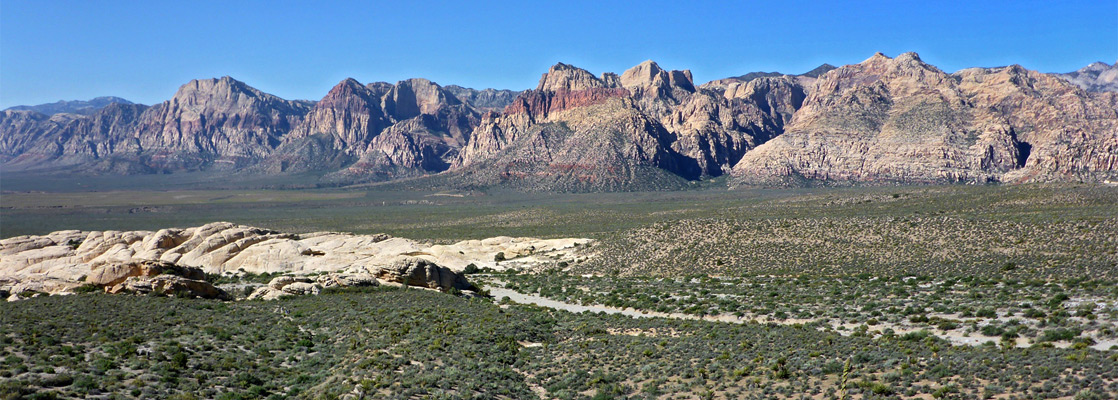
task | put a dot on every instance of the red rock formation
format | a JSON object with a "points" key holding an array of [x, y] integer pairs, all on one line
{"points": [[540, 104]]}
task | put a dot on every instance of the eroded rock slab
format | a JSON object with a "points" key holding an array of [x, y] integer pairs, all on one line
{"points": [[62, 261]]}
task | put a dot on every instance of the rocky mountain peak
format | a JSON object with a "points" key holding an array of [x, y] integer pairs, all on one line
{"points": [[380, 88], [483, 100], [649, 75], [681, 79], [226, 94], [568, 78], [379, 131], [345, 89], [416, 96], [909, 56], [348, 83], [903, 120], [642, 74], [906, 73], [218, 93], [350, 113], [223, 83], [1096, 77], [611, 79], [1097, 66], [877, 57], [820, 70]]}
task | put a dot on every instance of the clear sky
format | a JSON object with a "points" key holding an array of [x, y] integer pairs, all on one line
{"points": [[144, 50]]}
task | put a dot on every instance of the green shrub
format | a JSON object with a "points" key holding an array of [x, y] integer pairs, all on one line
{"points": [[88, 288]]}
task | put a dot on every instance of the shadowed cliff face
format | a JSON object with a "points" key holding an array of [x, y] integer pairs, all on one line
{"points": [[885, 120], [902, 120]]}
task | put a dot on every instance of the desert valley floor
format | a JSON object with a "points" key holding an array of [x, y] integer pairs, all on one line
{"points": [[955, 291]]}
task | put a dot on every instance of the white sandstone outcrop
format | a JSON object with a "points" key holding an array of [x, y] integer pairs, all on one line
{"points": [[64, 260]]}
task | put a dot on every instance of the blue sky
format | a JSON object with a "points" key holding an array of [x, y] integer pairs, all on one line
{"points": [[142, 51]]}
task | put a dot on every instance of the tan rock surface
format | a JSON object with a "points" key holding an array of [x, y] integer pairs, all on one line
{"points": [[414, 271], [568, 78], [172, 285], [111, 274], [902, 120], [51, 263]]}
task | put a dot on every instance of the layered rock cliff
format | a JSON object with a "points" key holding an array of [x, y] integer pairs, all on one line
{"points": [[647, 128], [903, 121], [884, 120], [210, 123], [378, 132], [221, 121]]}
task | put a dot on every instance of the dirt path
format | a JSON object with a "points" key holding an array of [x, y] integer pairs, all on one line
{"points": [[956, 338]]}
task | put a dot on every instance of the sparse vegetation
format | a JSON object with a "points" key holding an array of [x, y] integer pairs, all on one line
{"points": [[852, 291], [972, 306], [396, 343]]}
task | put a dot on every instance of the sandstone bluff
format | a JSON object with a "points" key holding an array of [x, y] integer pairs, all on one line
{"points": [[174, 259], [882, 121]]}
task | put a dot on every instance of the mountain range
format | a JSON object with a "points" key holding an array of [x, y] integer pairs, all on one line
{"points": [[882, 121], [73, 106]]}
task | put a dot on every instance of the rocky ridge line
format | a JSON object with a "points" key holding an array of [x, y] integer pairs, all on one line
{"points": [[882, 121]]}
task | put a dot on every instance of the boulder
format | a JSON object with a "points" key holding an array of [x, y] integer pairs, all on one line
{"points": [[267, 293], [113, 273], [352, 280], [413, 271], [280, 282], [169, 285], [302, 288], [283, 286]]}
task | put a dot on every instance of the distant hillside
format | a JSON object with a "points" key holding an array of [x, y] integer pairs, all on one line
{"points": [[1097, 77], [73, 106]]}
